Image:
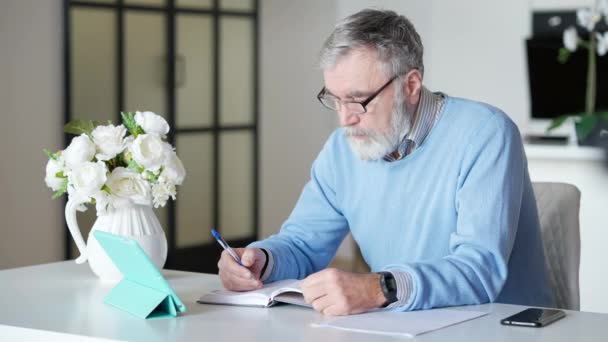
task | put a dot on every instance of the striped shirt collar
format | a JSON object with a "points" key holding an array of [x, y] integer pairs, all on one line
{"points": [[426, 116]]}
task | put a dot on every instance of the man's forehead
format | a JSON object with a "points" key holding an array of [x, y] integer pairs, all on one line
{"points": [[354, 74]]}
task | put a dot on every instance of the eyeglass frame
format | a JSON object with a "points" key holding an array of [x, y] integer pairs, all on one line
{"points": [[363, 103]]}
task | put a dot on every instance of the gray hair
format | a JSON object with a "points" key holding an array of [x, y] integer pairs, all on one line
{"points": [[392, 36]]}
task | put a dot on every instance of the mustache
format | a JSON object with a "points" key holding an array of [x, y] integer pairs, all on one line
{"points": [[352, 131]]}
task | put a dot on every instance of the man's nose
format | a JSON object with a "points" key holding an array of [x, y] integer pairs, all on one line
{"points": [[347, 119]]}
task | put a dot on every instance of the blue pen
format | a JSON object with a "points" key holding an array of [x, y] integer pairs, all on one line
{"points": [[225, 246]]}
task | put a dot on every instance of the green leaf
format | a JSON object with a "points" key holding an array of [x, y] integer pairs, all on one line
{"points": [[128, 120], [151, 176], [557, 122], [563, 55], [60, 174], [78, 127], [585, 125], [50, 154], [134, 166]]}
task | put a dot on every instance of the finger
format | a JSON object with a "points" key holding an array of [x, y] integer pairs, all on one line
{"points": [[227, 263], [236, 283], [248, 258], [320, 304], [333, 310], [240, 275], [312, 293]]}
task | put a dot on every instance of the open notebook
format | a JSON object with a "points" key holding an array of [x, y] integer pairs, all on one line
{"points": [[284, 291]]}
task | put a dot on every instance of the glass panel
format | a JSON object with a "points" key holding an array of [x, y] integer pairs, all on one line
{"points": [[145, 62], [194, 71], [195, 3], [146, 2], [194, 204], [93, 69], [236, 185], [241, 5], [236, 71]]}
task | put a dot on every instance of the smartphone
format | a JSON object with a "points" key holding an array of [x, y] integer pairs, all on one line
{"points": [[534, 317]]}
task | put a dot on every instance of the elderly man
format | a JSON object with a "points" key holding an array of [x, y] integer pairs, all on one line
{"points": [[434, 189]]}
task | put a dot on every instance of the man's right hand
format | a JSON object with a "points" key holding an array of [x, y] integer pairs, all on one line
{"points": [[242, 278]]}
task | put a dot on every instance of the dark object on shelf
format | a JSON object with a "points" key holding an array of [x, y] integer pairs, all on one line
{"points": [[546, 139], [557, 89]]}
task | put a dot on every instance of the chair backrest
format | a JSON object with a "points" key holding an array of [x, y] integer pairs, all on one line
{"points": [[558, 210]]}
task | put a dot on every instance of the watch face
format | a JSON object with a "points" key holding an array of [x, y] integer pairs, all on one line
{"points": [[391, 283]]}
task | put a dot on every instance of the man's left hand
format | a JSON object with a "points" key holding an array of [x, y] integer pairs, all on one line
{"points": [[336, 292]]}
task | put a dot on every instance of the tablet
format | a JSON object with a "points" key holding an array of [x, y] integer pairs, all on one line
{"points": [[134, 264]]}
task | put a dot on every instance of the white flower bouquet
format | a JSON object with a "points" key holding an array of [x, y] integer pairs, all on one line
{"points": [[114, 166]]}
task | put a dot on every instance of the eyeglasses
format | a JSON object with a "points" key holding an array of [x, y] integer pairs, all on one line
{"points": [[353, 107]]}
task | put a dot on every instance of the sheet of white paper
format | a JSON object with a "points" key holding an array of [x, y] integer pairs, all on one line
{"points": [[405, 324]]}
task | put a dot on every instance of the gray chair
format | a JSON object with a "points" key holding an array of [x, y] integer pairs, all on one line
{"points": [[558, 210]]}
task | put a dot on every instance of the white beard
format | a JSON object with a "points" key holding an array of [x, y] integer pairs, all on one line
{"points": [[376, 146]]}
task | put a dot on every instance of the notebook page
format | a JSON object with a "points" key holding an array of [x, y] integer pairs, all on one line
{"points": [[403, 324], [259, 297]]}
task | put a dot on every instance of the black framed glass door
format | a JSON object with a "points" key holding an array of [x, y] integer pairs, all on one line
{"points": [[196, 63]]}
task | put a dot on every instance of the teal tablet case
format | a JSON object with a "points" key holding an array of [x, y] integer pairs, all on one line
{"points": [[143, 291]]}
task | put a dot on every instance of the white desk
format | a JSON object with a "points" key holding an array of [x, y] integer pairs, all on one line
{"points": [[67, 298]]}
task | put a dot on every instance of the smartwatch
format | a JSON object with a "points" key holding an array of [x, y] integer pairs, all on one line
{"points": [[388, 284]]}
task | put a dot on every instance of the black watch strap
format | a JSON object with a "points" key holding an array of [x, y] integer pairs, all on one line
{"points": [[388, 284]]}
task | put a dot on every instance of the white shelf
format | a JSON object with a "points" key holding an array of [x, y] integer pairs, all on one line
{"points": [[565, 152]]}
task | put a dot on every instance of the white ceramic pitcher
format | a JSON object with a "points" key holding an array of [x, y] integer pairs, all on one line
{"points": [[137, 222]]}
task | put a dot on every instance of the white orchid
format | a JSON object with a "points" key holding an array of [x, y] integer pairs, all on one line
{"points": [[109, 141], [602, 7], [80, 150], [152, 123], [588, 17], [602, 43], [571, 39]]}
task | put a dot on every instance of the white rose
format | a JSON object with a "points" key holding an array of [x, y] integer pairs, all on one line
{"points": [[109, 141], [161, 193], [128, 186], [87, 178], [80, 150], [148, 151], [173, 169], [52, 168], [152, 123]]}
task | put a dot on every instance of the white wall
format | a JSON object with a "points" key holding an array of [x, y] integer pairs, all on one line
{"points": [[293, 125], [31, 112]]}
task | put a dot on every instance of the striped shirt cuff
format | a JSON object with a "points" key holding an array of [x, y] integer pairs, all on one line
{"points": [[404, 289], [269, 265]]}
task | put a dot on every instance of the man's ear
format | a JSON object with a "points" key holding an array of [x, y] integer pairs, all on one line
{"points": [[412, 86]]}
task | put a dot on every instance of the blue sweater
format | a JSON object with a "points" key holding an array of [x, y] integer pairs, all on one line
{"points": [[458, 214]]}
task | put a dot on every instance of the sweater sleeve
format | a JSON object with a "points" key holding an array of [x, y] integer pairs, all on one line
{"points": [[488, 200], [310, 237]]}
